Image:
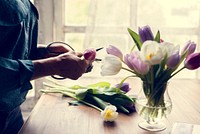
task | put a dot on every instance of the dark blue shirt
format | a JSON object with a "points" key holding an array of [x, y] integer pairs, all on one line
{"points": [[18, 44]]}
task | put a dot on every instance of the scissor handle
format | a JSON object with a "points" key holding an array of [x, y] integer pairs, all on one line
{"points": [[48, 50], [57, 42]]}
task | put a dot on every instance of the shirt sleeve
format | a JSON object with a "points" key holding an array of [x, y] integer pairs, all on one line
{"points": [[15, 73]]}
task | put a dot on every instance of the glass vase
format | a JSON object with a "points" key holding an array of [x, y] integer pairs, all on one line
{"points": [[153, 104]]}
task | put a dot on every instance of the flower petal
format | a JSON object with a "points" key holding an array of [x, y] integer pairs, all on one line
{"points": [[192, 61], [111, 65], [145, 34], [114, 51], [109, 113]]}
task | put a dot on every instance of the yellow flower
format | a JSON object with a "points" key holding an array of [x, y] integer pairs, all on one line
{"points": [[109, 113]]}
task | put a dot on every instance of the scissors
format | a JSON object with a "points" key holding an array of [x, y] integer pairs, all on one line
{"points": [[71, 48]]}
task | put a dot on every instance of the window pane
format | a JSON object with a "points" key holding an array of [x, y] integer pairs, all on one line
{"points": [[76, 12], [170, 13], [75, 40], [112, 13]]}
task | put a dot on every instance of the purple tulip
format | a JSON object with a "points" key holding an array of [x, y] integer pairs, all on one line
{"points": [[131, 108], [127, 61], [114, 51], [139, 66], [124, 87], [145, 34], [192, 62], [189, 47], [173, 60], [135, 63]]}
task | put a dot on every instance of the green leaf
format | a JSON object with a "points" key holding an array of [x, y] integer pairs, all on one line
{"points": [[122, 109], [136, 38], [99, 85], [157, 38], [76, 87], [81, 93], [99, 101]]}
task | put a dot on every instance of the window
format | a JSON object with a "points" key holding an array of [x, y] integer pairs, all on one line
{"points": [[95, 23]]}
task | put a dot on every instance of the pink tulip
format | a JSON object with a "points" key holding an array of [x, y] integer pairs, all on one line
{"points": [[114, 51], [140, 66], [90, 54], [192, 62], [136, 64], [130, 56]]}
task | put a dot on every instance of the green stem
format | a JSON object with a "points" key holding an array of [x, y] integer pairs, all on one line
{"points": [[72, 96], [152, 79], [176, 72], [129, 70], [126, 79]]}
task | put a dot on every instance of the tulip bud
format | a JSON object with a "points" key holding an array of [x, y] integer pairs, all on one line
{"points": [[192, 62], [189, 47], [161, 40], [89, 54], [145, 34], [124, 87], [114, 51]]}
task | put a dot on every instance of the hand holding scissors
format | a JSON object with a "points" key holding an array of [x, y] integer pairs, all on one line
{"points": [[56, 52]]}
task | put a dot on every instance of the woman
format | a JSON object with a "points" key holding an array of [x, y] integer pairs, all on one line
{"points": [[21, 60]]}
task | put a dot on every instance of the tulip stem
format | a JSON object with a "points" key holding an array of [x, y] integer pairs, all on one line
{"points": [[126, 79], [176, 72], [129, 70]]}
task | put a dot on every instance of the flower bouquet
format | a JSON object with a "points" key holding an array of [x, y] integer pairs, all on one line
{"points": [[155, 62]]}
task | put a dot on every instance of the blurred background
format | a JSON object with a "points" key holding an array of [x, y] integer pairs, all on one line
{"points": [[99, 23]]}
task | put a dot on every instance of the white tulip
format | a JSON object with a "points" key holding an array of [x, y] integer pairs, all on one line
{"points": [[109, 113], [170, 48], [111, 65], [152, 52]]}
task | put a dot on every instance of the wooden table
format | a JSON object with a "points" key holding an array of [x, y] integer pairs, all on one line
{"points": [[53, 115]]}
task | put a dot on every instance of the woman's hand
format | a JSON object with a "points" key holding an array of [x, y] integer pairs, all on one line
{"points": [[57, 49], [68, 65]]}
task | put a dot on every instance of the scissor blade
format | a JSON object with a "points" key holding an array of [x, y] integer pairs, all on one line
{"points": [[99, 48], [97, 59]]}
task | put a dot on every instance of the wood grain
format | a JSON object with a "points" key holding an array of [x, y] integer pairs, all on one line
{"points": [[53, 115]]}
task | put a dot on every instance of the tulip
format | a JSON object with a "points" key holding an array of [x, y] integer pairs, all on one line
{"points": [[124, 87], [169, 48], [111, 65], [114, 51], [109, 113], [145, 34], [89, 54], [189, 48], [133, 55], [152, 52], [192, 62], [130, 108], [173, 60], [140, 66], [134, 62]]}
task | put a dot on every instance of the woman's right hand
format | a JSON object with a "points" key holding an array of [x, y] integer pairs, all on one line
{"points": [[68, 65]]}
